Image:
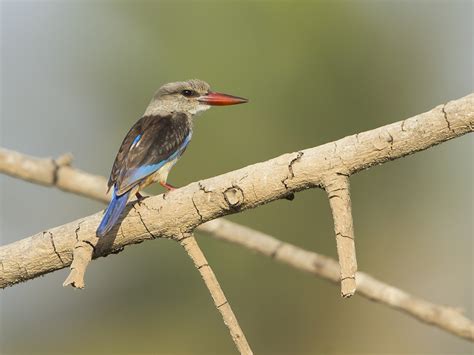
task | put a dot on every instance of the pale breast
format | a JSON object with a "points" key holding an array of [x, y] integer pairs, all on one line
{"points": [[161, 175]]}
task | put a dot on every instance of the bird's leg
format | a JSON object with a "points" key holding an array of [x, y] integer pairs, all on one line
{"points": [[167, 186]]}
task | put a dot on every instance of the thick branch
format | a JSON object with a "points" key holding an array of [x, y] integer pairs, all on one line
{"points": [[186, 208], [220, 301], [446, 318]]}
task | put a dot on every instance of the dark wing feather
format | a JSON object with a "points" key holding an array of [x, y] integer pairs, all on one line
{"points": [[161, 137]]}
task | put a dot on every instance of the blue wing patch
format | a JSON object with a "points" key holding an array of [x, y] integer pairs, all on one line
{"points": [[135, 141], [142, 172]]}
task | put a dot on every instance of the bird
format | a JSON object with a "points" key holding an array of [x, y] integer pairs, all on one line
{"points": [[156, 141]]}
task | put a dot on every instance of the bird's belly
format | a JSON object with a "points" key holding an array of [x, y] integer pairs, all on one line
{"points": [[161, 175]]}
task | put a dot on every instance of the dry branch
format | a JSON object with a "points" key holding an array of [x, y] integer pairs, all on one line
{"points": [[220, 301], [447, 318], [53, 172], [236, 191], [81, 258], [337, 188]]}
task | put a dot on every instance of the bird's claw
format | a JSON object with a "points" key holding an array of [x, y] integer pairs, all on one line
{"points": [[139, 197]]}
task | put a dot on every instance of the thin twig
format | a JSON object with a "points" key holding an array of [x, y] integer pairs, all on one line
{"points": [[337, 188], [220, 301], [82, 256]]}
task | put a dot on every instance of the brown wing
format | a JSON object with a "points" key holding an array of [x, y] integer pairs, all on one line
{"points": [[150, 143]]}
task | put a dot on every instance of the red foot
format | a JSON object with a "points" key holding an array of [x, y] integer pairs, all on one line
{"points": [[167, 186]]}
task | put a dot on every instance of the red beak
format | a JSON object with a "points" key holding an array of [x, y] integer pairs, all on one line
{"points": [[218, 99]]}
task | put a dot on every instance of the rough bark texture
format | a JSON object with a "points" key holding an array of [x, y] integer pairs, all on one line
{"points": [[186, 208], [181, 211], [446, 318]]}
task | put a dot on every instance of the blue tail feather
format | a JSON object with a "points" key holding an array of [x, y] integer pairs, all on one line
{"points": [[112, 214]]}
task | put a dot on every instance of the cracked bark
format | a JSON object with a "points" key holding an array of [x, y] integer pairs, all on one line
{"points": [[443, 109], [291, 174], [54, 247], [196, 208], [29, 258], [143, 223]]}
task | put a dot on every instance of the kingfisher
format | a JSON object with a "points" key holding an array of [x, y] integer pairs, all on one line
{"points": [[156, 142]]}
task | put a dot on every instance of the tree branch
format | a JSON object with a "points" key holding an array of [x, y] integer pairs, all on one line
{"points": [[337, 188], [220, 301], [54, 172], [447, 318], [35, 256]]}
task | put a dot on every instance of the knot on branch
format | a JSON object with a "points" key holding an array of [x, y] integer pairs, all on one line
{"points": [[234, 196], [64, 160]]}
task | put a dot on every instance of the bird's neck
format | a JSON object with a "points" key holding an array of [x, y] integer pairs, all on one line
{"points": [[159, 108], [163, 111]]}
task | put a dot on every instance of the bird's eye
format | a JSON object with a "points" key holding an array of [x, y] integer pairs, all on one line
{"points": [[187, 93]]}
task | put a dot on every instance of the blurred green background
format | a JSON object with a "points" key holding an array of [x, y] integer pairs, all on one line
{"points": [[75, 75]]}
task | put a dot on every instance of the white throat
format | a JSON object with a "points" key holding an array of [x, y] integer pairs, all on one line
{"points": [[199, 109]]}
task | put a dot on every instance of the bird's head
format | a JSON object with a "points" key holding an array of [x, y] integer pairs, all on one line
{"points": [[191, 97]]}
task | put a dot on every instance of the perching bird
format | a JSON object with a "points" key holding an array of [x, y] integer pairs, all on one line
{"points": [[156, 141]]}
